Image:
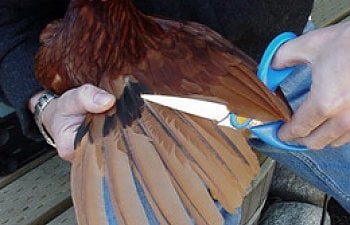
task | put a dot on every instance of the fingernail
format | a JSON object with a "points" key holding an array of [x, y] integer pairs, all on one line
{"points": [[102, 98]]}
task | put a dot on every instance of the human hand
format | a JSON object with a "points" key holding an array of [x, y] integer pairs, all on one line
{"points": [[63, 115], [324, 116]]}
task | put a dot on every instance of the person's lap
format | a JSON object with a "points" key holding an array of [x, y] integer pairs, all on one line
{"points": [[327, 169]]}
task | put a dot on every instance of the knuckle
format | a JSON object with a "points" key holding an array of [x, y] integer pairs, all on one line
{"points": [[85, 91], [344, 123], [84, 95], [64, 152], [66, 97], [298, 131], [294, 131], [88, 90], [315, 146], [332, 135], [335, 145], [65, 156], [324, 109], [64, 142], [328, 106], [86, 87], [312, 144]]}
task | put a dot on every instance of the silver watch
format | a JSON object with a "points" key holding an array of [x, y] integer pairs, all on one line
{"points": [[43, 101]]}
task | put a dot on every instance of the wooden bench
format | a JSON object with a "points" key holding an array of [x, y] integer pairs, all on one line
{"points": [[327, 12], [39, 193], [36, 193]]}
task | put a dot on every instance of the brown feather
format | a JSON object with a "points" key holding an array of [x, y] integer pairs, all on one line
{"points": [[88, 180], [175, 157], [189, 186], [234, 162], [237, 140], [162, 57], [122, 186], [155, 178], [216, 176], [77, 182], [233, 141]]}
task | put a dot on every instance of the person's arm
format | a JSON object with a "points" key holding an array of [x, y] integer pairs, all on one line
{"points": [[324, 116], [20, 25]]}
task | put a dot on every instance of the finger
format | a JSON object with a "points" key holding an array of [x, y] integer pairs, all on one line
{"points": [[86, 98], [344, 124], [307, 118], [323, 135], [293, 52], [64, 142], [344, 139]]}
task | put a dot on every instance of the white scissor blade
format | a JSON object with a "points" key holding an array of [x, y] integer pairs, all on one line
{"points": [[205, 109]]}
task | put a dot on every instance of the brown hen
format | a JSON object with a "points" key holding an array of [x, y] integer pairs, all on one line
{"points": [[180, 162]]}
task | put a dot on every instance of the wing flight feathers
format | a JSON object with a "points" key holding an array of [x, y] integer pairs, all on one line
{"points": [[136, 160], [180, 162], [87, 188]]}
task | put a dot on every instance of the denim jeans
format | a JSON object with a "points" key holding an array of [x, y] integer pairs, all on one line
{"points": [[327, 169], [230, 219]]}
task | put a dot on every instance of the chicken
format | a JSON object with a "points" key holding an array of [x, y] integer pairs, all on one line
{"points": [[182, 163]]}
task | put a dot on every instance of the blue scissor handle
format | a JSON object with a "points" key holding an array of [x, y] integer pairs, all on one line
{"points": [[272, 79], [268, 133]]}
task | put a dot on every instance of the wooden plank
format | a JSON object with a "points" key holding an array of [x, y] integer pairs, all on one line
{"points": [[254, 220], [256, 197], [38, 196], [66, 218], [259, 184], [29, 166], [327, 12], [245, 207], [267, 184]]}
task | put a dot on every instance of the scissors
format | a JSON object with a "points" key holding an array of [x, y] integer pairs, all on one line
{"points": [[215, 111]]}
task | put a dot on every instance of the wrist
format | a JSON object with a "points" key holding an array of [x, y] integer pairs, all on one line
{"points": [[33, 100], [38, 104]]}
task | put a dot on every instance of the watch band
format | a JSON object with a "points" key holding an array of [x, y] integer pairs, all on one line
{"points": [[43, 101]]}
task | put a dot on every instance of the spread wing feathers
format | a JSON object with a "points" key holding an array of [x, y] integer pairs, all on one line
{"points": [[131, 165], [86, 180], [173, 58], [231, 139], [191, 59], [175, 163]]}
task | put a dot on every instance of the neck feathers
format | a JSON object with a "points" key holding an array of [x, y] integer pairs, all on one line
{"points": [[112, 30]]}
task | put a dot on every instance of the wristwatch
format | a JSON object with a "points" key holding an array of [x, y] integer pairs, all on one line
{"points": [[43, 101]]}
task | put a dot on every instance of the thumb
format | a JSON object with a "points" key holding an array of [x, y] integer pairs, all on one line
{"points": [[293, 52], [86, 98]]}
